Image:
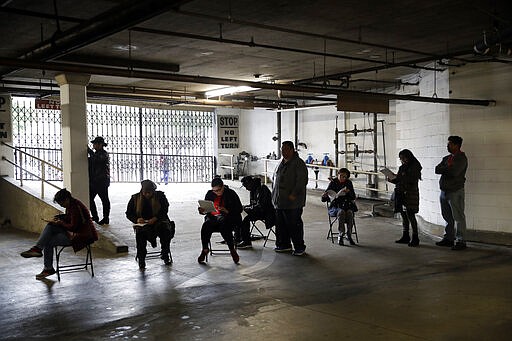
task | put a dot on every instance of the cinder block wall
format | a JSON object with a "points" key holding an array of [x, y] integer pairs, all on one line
{"points": [[424, 129]]}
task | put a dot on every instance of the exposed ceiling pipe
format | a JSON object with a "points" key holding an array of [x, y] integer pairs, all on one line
{"points": [[105, 24], [232, 20], [271, 47], [63, 67]]}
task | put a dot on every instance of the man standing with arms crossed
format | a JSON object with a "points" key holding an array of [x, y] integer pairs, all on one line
{"points": [[289, 199], [453, 176]]}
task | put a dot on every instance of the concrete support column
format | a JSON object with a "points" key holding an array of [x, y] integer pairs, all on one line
{"points": [[73, 100]]}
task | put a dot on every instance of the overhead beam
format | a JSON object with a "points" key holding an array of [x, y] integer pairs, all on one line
{"points": [[96, 70], [117, 19]]}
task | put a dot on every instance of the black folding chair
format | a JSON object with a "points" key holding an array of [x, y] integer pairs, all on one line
{"points": [[332, 220], [76, 266]]}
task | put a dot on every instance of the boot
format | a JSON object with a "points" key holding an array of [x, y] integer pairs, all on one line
{"points": [[234, 255], [405, 238], [415, 241], [202, 256]]}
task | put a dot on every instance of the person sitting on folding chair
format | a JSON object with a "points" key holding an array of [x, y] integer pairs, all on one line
{"points": [[148, 209], [225, 216], [340, 193], [74, 228], [259, 208]]}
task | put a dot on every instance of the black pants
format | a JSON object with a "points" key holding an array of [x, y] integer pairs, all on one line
{"points": [[164, 230], [408, 216], [289, 226], [102, 192], [212, 225], [244, 232]]}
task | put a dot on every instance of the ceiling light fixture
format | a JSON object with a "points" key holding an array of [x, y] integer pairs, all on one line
{"points": [[228, 91]]}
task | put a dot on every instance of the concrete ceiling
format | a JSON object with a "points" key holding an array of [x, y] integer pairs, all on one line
{"points": [[174, 51]]}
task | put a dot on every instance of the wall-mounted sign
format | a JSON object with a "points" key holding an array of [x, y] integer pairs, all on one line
{"points": [[5, 118], [228, 132], [47, 104]]}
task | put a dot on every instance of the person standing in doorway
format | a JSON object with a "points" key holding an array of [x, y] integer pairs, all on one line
{"points": [[453, 176], [99, 179], [407, 196], [289, 199]]}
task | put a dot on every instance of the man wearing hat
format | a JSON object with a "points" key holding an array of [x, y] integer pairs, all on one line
{"points": [[148, 210], [259, 208], [99, 179]]}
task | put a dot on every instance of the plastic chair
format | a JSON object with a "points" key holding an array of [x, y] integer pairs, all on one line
{"points": [[73, 267], [332, 220]]}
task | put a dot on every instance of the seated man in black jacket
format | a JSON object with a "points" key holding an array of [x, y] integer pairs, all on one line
{"points": [[259, 208], [148, 209], [224, 219]]}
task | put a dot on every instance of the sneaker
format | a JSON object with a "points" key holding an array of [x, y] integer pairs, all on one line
{"points": [[45, 273], [459, 246], [351, 241], [299, 252], [445, 242], [33, 252], [103, 221], [340, 241], [282, 249], [244, 245]]}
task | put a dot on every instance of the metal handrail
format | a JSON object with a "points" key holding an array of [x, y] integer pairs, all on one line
{"points": [[266, 173], [43, 164]]}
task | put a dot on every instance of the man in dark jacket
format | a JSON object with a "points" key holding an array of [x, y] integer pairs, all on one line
{"points": [[148, 211], [259, 208], [453, 176], [289, 199], [225, 217], [99, 179]]}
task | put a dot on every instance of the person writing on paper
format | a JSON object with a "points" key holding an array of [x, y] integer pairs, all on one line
{"points": [[148, 210], [226, 217], [340, 193], [407, 195], [74, 228]]}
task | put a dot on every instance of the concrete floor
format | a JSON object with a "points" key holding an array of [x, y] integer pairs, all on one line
{"points": [[377, 290]]}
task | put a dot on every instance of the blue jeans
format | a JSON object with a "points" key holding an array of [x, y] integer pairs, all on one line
{"points": [[52, 236], [452, 209], [289, 226]]}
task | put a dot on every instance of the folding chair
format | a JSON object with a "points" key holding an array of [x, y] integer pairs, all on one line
{"points": [[73, 267], [219, 250], [259, 235], [157, 254], [332, 220], [267, 238]]}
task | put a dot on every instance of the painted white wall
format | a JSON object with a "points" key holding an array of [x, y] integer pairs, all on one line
{"points": [[424, 128], [487, 143]]}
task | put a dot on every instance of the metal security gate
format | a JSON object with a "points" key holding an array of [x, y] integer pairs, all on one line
{"points": [[143, 143]]}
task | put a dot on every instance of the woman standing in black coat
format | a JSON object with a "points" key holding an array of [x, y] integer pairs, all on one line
{"points": [[407, 195]]}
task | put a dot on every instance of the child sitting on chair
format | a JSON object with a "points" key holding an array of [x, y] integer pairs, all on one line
{"points": [[340, 193]]}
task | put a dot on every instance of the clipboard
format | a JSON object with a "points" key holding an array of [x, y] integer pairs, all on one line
{"points": [[388, 173], [207, 205]]}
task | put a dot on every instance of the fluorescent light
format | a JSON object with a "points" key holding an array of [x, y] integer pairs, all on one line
{"points": [[228, 91]]}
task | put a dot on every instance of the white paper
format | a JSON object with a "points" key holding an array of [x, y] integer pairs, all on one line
{"points": [[207, 205], [388, 173]]}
